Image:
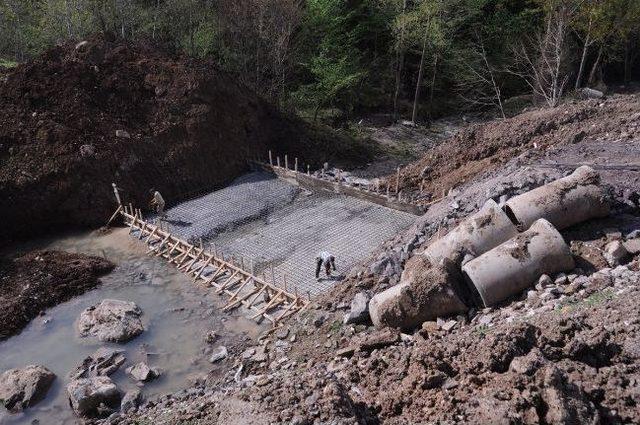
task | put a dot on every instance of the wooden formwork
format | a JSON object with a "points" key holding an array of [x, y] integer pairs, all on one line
{"points": [[264, 299]]}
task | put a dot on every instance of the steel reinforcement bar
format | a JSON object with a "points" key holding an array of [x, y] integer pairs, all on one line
{"points": [[265, 300]]}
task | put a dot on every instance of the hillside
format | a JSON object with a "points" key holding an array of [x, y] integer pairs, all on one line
{"points": [[84, 115]]}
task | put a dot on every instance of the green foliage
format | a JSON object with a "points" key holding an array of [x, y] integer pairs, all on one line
{"points": [[340, 55]]}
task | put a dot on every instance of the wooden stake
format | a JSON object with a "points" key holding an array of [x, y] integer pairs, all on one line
{"points": [[308, 170], [116, 192], [270, 158], [286, 162], [296, 166], [398, 180], [278, 161]]}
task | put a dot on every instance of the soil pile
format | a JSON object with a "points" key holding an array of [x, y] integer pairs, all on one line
{"points": [[81, 116], [482, 147], [42, 279]]}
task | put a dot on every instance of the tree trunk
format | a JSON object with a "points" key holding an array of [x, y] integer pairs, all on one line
{"points": [[416, 97], [594, 68], [585, 49], [626, 61], [67, 19], [433, 84], [399, 64]]}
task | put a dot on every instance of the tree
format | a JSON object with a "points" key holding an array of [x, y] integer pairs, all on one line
{"points": [[542, 61]]}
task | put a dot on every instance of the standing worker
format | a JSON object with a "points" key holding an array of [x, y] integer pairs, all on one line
{"points": [[326, 259], [157, 201]]}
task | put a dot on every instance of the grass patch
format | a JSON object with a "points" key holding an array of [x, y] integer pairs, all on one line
{"points": [[6, 63]]}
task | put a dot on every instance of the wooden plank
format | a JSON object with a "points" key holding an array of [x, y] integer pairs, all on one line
{"points": [[183, 256], [204, 266], [235, 294], [150, 236], [224, 284], [271, 304], [190, 264], [243, 300], [160, 246], [186, 258]]}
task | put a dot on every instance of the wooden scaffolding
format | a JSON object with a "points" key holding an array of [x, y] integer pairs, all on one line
{"points": [[264, 299]]}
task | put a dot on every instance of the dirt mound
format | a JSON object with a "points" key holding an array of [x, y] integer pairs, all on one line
{"points": [[42, 279], [81, 116], [483, 147]]}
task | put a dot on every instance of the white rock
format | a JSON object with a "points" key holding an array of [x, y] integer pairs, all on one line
{"points": [[219, 354]]}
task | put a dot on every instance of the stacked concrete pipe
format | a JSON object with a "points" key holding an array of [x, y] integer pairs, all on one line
{"points": [[475, 235], [516, 264], [563, 202], [506, 262]]}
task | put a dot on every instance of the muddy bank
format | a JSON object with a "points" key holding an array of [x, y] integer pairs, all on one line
{"points": [[31, 283], [183, 325], [79, 117]]}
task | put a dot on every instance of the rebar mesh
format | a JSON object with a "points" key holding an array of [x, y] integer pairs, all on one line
{"points": [[274, 227]]}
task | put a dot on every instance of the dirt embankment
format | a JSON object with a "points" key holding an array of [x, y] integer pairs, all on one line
{"points": [[33, 282], [482, 147], [82, 116]]}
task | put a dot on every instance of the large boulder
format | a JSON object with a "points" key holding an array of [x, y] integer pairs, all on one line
{"points": [[91, 396], [22, 388], [111, 321], [359, 311], [425, 292], [103, 362]]}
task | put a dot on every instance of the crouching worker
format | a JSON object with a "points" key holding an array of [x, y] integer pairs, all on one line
{"points": [[327, 260], [157, 203]]}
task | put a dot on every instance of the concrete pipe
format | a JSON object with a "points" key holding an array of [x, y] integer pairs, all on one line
{"points": [[564, 202], [518, 263], [475, 235], [425, 292]]}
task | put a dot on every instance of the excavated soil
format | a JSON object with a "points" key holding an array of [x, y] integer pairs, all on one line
{"points": [[41, 279], [82, 116], [482, 147]]}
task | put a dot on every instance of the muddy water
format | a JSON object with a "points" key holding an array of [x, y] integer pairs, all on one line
{"points": [[177, 316]]}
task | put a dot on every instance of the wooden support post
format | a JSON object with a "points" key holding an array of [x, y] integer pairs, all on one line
{"points": [[286, 162], [270, 158], [296, 166], [309, 295], [273, 276], [116, 192], [397, 180], [115, 214], [338, 176], [204, 266], [151, 235], [278, 161], [387, 190], [308, 170]]}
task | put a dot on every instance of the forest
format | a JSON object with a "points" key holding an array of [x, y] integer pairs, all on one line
{"points": [[415, 59]]}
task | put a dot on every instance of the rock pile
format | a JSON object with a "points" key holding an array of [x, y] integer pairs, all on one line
{"points": [[496, 261]]}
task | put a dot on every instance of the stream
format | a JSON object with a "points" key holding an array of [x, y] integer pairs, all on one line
{"points": [[177, 316]]}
